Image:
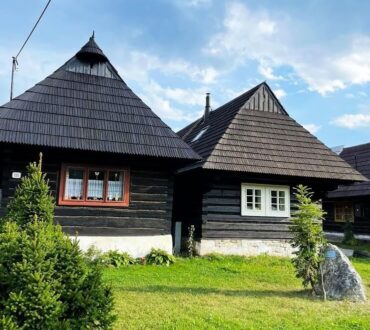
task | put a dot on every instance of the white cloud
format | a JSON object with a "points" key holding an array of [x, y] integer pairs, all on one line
{"points": [[138, 65], [352, 121], [280, 93], [312, 128], [267, 71], [256, 35]]}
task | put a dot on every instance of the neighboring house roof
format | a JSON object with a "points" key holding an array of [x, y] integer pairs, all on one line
{"points": [[254, 134], [86, 105], [359, 158]]}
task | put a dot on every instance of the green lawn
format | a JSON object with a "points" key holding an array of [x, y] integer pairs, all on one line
{"points": [[228, 293]]}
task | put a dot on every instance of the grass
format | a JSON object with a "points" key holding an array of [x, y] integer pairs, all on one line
{"points": [[228, 293]]}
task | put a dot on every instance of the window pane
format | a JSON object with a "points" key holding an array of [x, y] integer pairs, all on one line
{"points": [[281, 207], [74, 184], [95, 185], [249, 192], [282, 194], [115, 186], [257, 192], [258, 206], [273, 193]]}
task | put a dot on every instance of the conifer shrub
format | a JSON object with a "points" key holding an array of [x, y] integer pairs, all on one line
{"points": [[32, 197], [308, 237], [46, 282]]}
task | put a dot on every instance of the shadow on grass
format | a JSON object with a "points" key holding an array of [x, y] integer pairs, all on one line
{"points": [[301, 294]]}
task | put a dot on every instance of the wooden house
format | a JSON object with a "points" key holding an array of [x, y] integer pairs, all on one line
{"points": [[239, 196], [109, 159], [351, 202]]}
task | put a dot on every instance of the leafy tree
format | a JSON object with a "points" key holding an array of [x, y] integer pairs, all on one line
{"points": [[46, 282], [308, 237], [32, 197]]}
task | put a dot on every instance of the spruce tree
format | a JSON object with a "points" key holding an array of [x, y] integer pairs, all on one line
{"points": [[32, 198]]}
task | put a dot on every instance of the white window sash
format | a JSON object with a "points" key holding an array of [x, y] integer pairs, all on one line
{"points": [[254, 211], [278, 213]]}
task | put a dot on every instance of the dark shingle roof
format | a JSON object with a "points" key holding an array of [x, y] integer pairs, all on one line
{"points": [[86, 105], [253, 133], [359, 158]]}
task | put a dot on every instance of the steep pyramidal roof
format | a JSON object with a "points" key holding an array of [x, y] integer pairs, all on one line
{"points": [[86, 105], [359, 158], [254, 134]]}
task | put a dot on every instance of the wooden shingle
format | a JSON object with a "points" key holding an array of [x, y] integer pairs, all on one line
{"points": [[86, 105], [254, 134]]}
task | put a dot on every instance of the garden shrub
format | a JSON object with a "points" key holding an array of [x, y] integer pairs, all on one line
{"points": [[115, 258], [349, 236], [45, 280], [308, 237], [159, 257]]}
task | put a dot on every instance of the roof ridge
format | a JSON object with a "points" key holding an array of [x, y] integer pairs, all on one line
{"points": [[193, 125], [252, 91]]}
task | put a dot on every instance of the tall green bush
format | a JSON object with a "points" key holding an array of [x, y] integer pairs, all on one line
{"points": [[32, 197], [349, 237], [46, 282], [308, 237]]}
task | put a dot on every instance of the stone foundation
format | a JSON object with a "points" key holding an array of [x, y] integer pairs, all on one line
{"points": [[245, 247], [136, 246]]}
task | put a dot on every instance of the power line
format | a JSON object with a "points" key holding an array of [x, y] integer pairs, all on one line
{"points": [[14, 59]]}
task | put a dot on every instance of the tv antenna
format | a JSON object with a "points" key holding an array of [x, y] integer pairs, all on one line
{"points": [[15, 58]]}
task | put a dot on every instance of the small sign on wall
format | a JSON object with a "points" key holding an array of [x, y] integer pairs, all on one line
{"points": [[16, 175]]}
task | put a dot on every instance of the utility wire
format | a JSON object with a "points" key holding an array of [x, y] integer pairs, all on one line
{"points": [[14, 60]]}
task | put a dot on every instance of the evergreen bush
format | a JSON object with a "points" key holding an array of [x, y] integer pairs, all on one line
{"points": [[308, 237], [46, 282], [32, 197]]}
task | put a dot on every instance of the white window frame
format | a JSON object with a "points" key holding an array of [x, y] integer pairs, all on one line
{"points": [[256, 212], [266, 207]]}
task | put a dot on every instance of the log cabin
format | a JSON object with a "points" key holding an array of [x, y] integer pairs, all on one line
{"points": [[239, 197], [351, 202], [110, 160]]}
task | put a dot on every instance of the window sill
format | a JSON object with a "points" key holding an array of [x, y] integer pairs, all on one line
{"points": [[93, 203]]}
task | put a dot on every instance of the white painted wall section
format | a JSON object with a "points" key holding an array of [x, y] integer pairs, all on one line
{"points": [[136, 246], [244, 247]]}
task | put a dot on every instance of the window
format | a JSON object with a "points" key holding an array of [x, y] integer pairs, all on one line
{"points": [[94, 186], [201, 132], [263, 200], [343, 211]]}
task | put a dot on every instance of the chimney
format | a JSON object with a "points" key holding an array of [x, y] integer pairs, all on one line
{"points": [[207, 108]]}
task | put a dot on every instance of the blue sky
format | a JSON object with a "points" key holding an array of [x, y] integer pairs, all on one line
{"points": [[314, 54]]}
